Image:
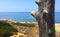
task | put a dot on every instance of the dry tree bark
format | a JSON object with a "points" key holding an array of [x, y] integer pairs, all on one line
{"points": [[45, 18]]}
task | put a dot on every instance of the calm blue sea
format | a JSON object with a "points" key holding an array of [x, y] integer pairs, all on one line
{"points": [[24, 16]]}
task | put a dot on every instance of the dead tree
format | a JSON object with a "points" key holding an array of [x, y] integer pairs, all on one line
{"points": [[45, 18]]}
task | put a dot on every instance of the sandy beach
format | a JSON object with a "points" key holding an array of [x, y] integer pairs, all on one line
{"points": [[57, 27]]}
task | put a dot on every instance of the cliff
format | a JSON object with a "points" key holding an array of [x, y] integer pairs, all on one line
{"points": [[23, 29], [10, 28]]}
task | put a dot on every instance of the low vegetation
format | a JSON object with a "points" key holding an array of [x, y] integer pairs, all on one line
{"points": [[6, 30], [25, 24]]}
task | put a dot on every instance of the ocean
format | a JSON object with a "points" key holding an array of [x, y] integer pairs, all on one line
{"points": [[24, 16]]}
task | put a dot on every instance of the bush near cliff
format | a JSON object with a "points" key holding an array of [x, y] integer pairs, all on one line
{"points": [[9, 28], [6, 30]]}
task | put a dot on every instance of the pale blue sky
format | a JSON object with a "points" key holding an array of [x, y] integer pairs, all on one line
{"points": [[22, 5], [57, 5]]}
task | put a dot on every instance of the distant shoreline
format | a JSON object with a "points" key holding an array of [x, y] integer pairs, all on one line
{"points": [[25, 22], [24, 16], [57, 22]]}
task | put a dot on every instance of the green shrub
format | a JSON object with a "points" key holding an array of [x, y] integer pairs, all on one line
{"points": [[6, 29]]}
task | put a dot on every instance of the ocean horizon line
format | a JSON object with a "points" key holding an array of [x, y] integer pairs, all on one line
{"points": [[24, 16]]}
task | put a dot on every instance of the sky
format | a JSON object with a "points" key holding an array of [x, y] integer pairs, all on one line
{"points": [[57, 5], [22, 5]]}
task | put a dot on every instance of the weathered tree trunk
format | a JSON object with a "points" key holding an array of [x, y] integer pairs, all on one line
{"points": [[51, 19], [45, 18]]}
